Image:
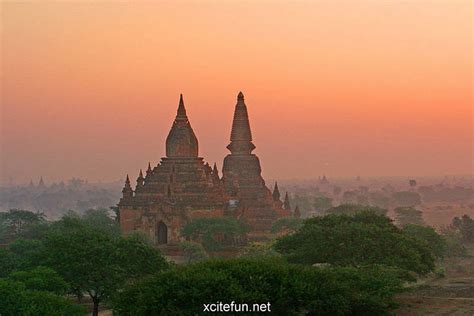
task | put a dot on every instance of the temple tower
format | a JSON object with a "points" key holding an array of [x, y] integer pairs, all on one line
{"points": [[242, 174]]}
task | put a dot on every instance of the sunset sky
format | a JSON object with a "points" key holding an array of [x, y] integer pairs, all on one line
{"points": [[344, 88]]}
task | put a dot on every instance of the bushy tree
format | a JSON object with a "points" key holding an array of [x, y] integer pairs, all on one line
{"points": [[352, 209], [97, 263], [15, 222], [322, 203], [214, 232], [286, 224], [259, 250], [290, 289], [193, 251], [41, 279], [16, 299], [428, 235], [361, 239]]}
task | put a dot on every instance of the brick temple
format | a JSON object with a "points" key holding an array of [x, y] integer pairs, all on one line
{"points": [[183, 186]]}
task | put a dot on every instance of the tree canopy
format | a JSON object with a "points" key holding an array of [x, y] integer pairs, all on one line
{"points": [[290, 289], [364, 238], [214, 232]]}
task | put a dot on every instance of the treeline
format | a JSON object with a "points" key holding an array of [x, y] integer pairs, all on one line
{"points": [[345, 263], [55, 199]]}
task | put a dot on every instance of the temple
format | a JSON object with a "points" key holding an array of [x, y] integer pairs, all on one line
{"points": [[183, 186]]}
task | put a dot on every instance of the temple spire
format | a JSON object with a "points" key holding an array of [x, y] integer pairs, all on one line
{"points": [[286, 203], [241, 135], [181, 141], [181, 114], [149, 168], [127, 189], [140, 180], [215, 170], [276, 193], [297, 212]]}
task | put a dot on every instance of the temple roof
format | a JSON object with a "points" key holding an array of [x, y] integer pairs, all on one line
{"points": [[181, 141]]}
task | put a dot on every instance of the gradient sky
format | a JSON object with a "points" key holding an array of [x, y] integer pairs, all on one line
{"points": [[345, 88]]}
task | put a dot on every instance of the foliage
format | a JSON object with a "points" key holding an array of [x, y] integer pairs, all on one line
{"points": [[453, 241], [98, 263], [15, 222], [214, 232], [428, 235], [361, 239], [7, 264], [407, 198], [465, 226], [352, 209], [322, 203], [41, 279], [408, 215], [290, 224], [291, 289], [100, 219], [259, 250], [193, 251], [17, 300], [26, 253]]}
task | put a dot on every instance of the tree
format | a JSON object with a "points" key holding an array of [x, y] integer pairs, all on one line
{"points": [[465, 226], [214, 232], [290, 289], [15, 221], [17, 300], [41, 279], [193, 251], [361, 239], [100, 219], [408, 215], [286, 224], [428, 235], [322, 203], [259, 250], [352, 209], [98, 263]]}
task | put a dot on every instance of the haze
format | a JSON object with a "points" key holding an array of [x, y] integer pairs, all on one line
{"points": [[341, 88]]}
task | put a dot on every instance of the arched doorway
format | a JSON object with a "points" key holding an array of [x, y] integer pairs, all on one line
{"points": [[161, 233]]}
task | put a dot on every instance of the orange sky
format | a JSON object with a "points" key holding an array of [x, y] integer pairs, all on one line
{"points": [[345, 88]]}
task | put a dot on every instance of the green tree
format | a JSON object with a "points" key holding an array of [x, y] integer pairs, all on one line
{"points": [[259, 250], [214, 232], [352, 209], [17, 300], [361, 239], [15, 222], [41, 279], [322, 203], [98, 263], [428, 235], [290, 289], [289, 224], [193, 251]]}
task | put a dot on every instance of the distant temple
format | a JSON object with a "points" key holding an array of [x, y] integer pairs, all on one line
{"points": [[183, 187]]}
